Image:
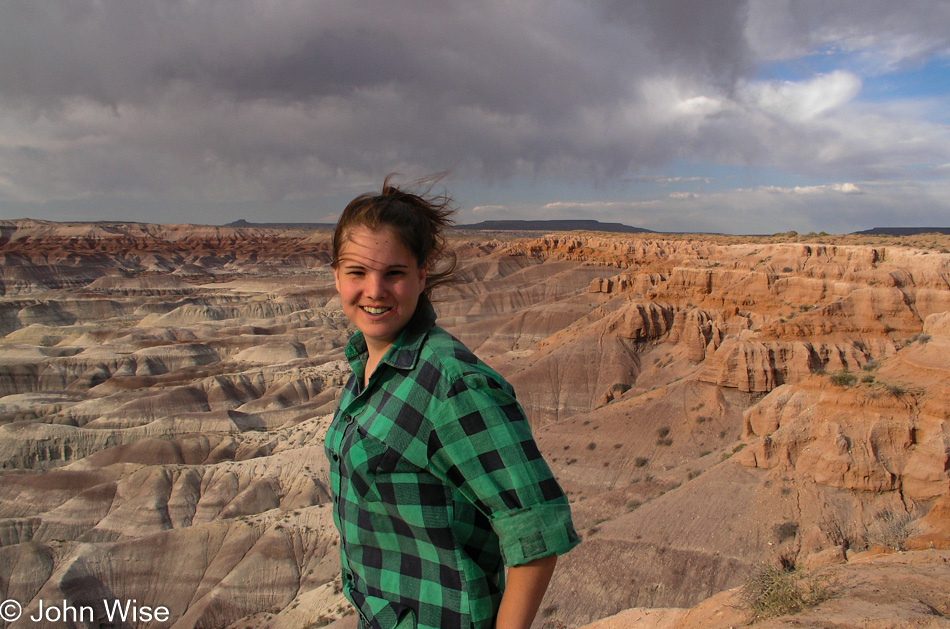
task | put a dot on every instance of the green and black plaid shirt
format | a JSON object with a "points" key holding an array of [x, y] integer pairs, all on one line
{"points": [[437, 484]]}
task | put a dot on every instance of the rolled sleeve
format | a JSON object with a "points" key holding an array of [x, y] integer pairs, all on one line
{"points": [[487, 452], [533, 533]]}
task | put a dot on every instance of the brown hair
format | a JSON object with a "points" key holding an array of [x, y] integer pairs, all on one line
{"points": [[418, 220]]}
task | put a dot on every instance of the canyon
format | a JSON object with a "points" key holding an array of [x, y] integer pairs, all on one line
{"points": [[710, 404]]}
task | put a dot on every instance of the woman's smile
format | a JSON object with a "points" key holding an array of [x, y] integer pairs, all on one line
{"points": [[376, 310]]}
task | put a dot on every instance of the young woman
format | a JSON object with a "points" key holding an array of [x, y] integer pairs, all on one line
{"points": [[436, 480]]}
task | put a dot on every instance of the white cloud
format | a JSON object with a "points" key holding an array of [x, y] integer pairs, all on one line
{"points": [[803, 101], [702, 106], [835, 188], [669, 180]]}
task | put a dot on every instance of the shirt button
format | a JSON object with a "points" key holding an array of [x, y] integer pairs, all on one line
{"points": [[336, 457], [347, 418]]}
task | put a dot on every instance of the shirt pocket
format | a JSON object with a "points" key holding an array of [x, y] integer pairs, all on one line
{"points": [[392, 484], [370, 461]]}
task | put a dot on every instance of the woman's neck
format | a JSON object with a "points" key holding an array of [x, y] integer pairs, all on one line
{"points": [[375, 353]]}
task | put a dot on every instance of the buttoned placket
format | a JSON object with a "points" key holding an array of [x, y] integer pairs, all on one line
{"points": [[348, 416], [338, 436]]}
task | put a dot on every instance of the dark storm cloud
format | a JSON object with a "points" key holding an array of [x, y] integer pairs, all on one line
{"points": [[705, 39], [491, 89], [253, 99], [128, 50]]}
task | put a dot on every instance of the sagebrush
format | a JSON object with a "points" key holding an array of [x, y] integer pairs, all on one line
{"points": [[770, 592]]}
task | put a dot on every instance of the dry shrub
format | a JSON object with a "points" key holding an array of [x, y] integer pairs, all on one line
{"points": [[771, 592], [843, 379], [890, 530], [841, 532]]}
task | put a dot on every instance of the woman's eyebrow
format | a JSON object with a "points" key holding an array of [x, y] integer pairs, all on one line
{"points": [[349, 263]]}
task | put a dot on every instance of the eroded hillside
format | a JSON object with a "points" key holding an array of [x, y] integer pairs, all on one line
{"points": [[708, 405]]}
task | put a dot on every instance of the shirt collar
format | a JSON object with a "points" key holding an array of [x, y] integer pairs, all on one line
{"points": [[404, 352]]}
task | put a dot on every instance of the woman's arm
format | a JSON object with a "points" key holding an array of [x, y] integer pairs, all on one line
{"points": [[524, 589]]}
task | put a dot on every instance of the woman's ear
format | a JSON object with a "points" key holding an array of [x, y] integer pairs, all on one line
{"points": [[422, 278]]}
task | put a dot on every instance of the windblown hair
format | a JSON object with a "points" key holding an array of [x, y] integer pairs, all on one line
{"points": [[418, 219]]}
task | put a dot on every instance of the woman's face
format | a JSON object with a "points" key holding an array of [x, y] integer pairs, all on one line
{"points": [[379, 282]]}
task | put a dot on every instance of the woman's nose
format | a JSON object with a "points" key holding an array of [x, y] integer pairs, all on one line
{"points": [[374, 286]]}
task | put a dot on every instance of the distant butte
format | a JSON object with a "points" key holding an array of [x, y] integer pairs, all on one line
{"points": [[709, 403], [904, 231], [554, 226], [508, 226]]}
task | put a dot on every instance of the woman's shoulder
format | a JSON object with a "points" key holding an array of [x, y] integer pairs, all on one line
{"points": [[455, 360]]}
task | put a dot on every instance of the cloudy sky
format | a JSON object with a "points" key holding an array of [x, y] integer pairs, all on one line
{"points": [[738, 116]]}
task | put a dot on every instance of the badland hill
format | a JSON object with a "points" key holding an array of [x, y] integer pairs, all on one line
{"points": [[710, 404]]}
